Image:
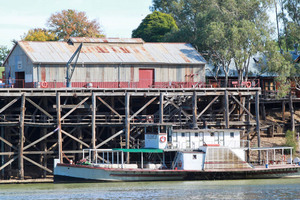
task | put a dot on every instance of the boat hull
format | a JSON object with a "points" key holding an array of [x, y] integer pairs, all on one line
{"points": [[84, 173]]}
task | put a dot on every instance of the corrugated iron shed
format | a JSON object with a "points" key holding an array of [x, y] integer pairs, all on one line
{"points": [[111, 51]]}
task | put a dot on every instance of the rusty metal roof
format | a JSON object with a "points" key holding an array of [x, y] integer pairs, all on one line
{"points": [[106, 40], [111, 53]]}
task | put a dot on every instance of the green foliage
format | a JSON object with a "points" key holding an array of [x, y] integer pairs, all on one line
{"points": [[291, 140], [154, 27], [39, 34], [72, 23], [4, 51]]}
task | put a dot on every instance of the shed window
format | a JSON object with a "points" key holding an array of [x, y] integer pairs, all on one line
{"points": [[232, 134]]}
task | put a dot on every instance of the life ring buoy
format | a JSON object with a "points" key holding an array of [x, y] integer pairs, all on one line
{"points": [[179, 164], [248, 84], [163, 138], [44, 84]]}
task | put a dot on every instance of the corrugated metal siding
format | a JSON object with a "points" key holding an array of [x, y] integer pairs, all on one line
{"points": [[97, 53]]}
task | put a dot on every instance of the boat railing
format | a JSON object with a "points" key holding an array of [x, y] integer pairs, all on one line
{"points": [[107, 158]]}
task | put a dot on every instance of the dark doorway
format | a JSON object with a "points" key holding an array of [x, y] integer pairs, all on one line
{"points": [[20, 80]]}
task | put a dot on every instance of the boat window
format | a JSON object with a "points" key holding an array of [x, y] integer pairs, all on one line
{"points": [[182, 134], [194, 157], [232, 134], [196, 134], [212, 134]]}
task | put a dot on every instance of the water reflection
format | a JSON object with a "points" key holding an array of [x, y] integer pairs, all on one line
{"points": [[238, 189]]}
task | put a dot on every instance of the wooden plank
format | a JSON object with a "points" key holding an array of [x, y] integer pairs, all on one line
{"points": [[9, 104], [207, 107], [37, 164], [72, 110], [142, 108], [38, 107], [109, 107]]}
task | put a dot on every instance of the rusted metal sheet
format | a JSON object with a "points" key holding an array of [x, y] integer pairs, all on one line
{"points": [[106, 40], [97, 51]]}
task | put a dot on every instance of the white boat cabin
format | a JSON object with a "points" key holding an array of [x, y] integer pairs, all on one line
{"points": [[193, 139]]}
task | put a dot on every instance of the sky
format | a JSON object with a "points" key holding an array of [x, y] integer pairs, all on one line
{"points": [[117, 17]]}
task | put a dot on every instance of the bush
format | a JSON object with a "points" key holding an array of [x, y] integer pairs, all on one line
{"points": [[291, 140]]}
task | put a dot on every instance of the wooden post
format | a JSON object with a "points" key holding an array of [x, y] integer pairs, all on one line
{"points": [[21, 138], [257, 122], [248, 128], [283, 111], [127, 124], [161, 108], [195, 126], [58, 119], [292, 112], [2, 150], [93, 121], [226, 110]]}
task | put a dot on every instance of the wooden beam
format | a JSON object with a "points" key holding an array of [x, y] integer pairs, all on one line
{"points": [[292, 112], [8, 143], [182, 111], [110, 138], [8, 163], [40, 139], [142, 108], [74, 138], [207, 107], [58, 120], [38, 107], [127, 124], [109, 107], [93, 121], [226, 109], [21, 138], [72, 110], [257, 122], [247, 111], [161, 108], [195, 108], [37, 164], [9, 104]]}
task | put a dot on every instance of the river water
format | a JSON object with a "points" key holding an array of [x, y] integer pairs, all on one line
{"points": [[237, 189]]}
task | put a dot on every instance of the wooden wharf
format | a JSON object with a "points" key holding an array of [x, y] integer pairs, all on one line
{"points": [[38, 125]]}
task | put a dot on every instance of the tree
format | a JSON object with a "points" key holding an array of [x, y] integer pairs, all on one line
{"points": [[4, 51], [39, 34], [72, 23], [154, 27], [226, 31]]}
